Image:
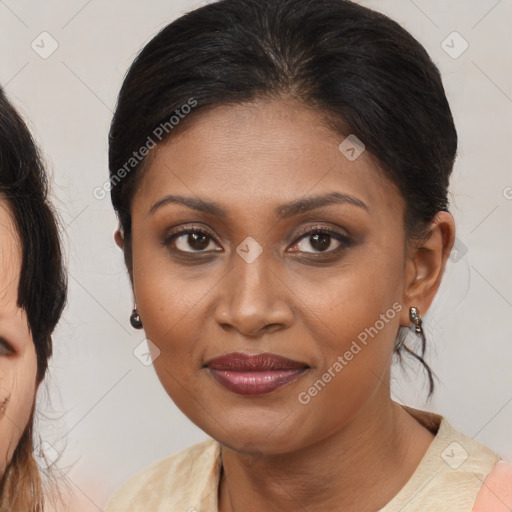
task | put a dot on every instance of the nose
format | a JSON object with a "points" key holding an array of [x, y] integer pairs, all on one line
{"points": [[254, 299]]}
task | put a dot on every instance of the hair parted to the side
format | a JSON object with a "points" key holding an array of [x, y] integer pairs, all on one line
{"points": [[42, 285], [363, 72]]}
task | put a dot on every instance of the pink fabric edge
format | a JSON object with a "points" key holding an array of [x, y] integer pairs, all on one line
{"points": [[495, 494]]}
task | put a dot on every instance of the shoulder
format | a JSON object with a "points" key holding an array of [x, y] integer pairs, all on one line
{"points": [[496, 491], [458, 465], [452, 451], [451, 473], [180, 480], [462, 453]]}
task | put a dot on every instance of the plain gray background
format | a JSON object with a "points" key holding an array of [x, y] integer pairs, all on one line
{"points": [[107, 413]]}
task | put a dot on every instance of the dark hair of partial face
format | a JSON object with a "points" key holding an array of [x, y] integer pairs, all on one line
{"points": [[23, 183], [42, 282], [361, 71]]}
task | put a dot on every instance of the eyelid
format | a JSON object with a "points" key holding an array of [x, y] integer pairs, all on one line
{"points": [[187, 228], [319, 227]]}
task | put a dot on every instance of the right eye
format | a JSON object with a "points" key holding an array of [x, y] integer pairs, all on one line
{"points": [[190, 240]]}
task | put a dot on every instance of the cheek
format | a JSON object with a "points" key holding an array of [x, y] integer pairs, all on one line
{"points": [[354, 319], [18, 385], [174, 319], [171, 301], [165, 290], [345, 302], [168, 293]]}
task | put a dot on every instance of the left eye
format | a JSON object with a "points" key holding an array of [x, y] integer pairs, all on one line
{"points": [[320, 240]]}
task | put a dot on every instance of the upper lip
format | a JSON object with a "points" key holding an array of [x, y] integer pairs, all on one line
{"points": [[237, 361]]}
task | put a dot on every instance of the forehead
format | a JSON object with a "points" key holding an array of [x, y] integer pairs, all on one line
{"points": [[10, 257], [252, 153]]}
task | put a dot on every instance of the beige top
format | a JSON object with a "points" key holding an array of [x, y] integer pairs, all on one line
{"points": [[448, 477]]}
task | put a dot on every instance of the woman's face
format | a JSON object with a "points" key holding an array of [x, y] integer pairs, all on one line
{"points": [[256, 282], [18, 362]]}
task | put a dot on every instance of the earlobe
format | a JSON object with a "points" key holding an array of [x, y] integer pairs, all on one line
{"points": [[118, 237], [426, 264]]}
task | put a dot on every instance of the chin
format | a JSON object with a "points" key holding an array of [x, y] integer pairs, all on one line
{"points": [[262, 437]]}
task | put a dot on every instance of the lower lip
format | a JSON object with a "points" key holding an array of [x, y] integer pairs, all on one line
{"points": [[256, 383]]}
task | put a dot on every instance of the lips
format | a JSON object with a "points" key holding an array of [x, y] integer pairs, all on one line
{"points": [[255, 374]]}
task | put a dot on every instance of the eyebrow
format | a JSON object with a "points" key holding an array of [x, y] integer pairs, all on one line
{"points": [[283, 211]]}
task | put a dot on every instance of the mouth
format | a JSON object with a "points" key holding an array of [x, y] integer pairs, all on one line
{"points": [[255, 374]]}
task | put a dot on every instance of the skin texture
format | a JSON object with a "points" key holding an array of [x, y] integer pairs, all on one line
{"points": [[18, 362], [351, 447]]}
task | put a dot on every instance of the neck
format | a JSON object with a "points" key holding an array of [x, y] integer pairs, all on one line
{"points": [[359, 468]]}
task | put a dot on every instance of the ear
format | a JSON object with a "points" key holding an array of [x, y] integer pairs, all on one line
{"points": [[118, 237], [425, 264]]}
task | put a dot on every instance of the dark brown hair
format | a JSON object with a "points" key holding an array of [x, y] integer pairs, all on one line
{"points": [[42, 282]]}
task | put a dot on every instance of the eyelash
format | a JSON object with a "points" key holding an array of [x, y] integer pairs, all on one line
{"points": [[344, 240]]}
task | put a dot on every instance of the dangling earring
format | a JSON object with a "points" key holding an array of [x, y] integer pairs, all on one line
{"points": [[415, 317], [135, 319]]}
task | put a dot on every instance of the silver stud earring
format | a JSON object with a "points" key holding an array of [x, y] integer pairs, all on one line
{"points": [[415, 317]]}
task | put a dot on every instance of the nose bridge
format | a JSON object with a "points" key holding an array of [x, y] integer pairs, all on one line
{"points": [[252, 295], [252, 278]]}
